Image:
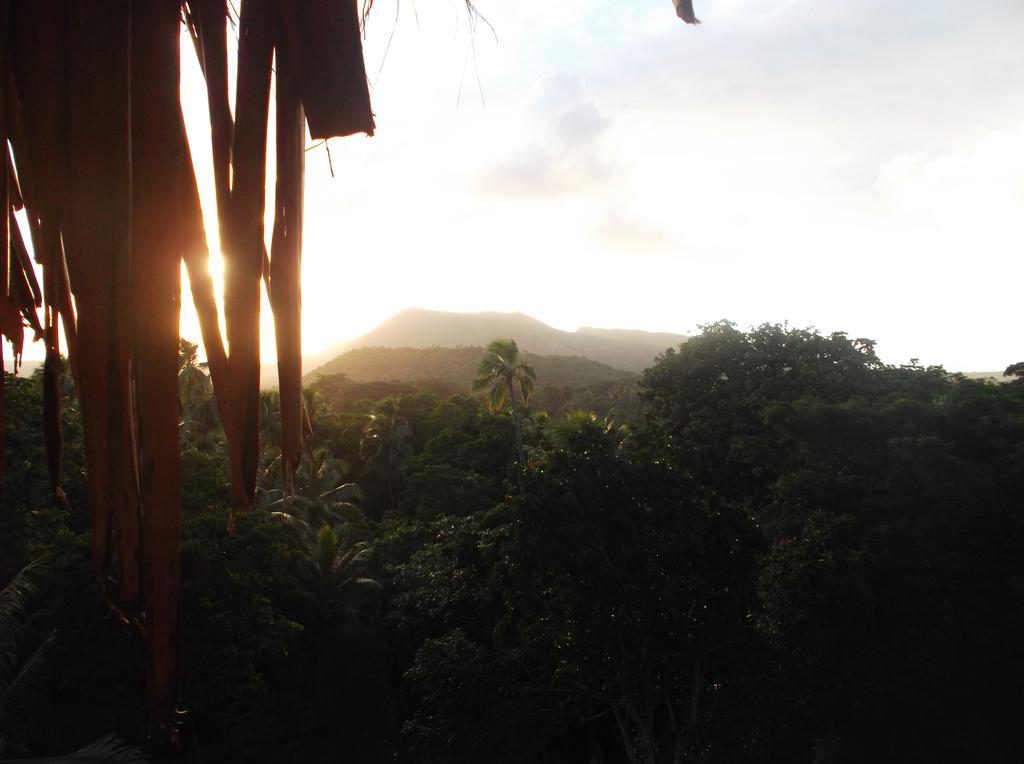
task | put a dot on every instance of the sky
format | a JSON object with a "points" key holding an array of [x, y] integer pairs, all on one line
{"points": [[852, 165]]}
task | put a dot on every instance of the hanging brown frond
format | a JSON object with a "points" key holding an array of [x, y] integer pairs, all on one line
{"points": [[64, 303], [89, 102], [157, 157], [5, 172], [53, 436], [39, 122], [286, 257], [211, 20], [12, 328], [684, 10], [17, 134], [5, 266], [197, 259], [243, 255], [25, 295], [97, 231], [327, 60], [21, 298], [13, 191], [37, 127], [20, 261]]}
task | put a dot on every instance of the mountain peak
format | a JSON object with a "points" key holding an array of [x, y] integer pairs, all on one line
{"points": [[414, 327]]}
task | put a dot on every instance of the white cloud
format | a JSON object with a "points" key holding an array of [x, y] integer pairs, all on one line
{"points": [[561, 150]]}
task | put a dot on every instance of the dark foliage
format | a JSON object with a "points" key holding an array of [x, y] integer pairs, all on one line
{"points": [[799, 554]]}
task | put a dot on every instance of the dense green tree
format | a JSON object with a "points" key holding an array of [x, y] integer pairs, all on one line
{"points": [[603, 605], [463, 468], [888, 494], [29, 516]]}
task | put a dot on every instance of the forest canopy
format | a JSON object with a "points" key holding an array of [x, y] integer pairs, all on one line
{"points": [[794, 552]]}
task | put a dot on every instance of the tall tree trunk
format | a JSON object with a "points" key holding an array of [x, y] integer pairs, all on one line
{"points": [[520, 452]]}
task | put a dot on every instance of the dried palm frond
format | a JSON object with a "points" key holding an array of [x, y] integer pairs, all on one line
{"points": [[53, 436], [5, 172], [97, 229], [684, 10], [157, 148], [89, 103], [20, 262], [243, 254], [211, 27], [325, 61], [286, 254], [197, 260]]}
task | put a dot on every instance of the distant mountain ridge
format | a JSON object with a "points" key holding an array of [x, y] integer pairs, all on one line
{"points": [[623, 349], [627, 349]]}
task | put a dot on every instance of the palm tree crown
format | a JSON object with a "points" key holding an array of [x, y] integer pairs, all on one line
{"points": [[501, 370], [386, 443]]}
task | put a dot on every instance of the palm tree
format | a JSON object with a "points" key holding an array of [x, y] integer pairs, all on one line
{"points": [[199, 416], [501, 371], [325, 522], [23, 678], [19, 679], [385, 444], [582, 430], [319, 495]]}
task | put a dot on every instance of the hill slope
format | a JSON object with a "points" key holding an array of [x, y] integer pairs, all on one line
{"points": [[564, 383], [455, 368], [417, 328]]}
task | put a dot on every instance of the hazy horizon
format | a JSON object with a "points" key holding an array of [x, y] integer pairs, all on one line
{"points": [[853, 166], [343, 344]]}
